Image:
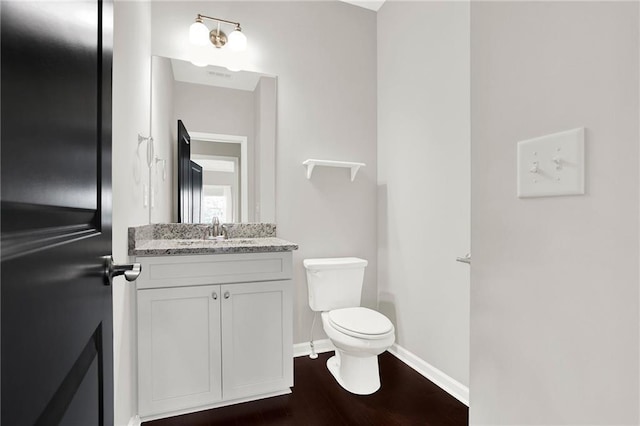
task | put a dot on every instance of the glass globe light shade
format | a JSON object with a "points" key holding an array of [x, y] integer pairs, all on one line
{"points": [[198, 34], [237, 41]]}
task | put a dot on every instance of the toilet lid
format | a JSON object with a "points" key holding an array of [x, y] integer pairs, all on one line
{"points": [[360, 320]]}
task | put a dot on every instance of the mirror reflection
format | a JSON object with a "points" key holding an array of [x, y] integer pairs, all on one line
{"points": [[213, 153]]}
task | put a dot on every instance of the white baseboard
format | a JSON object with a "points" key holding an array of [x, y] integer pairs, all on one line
{"points": [[447, 383], [303, 349], [134, 421]]}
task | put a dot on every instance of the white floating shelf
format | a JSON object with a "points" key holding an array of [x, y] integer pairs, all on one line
{"points": [[311, 163]]}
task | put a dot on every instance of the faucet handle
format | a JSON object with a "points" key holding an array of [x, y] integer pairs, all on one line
{"points": [[225, 231]]}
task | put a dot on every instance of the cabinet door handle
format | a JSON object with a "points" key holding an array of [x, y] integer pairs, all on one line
{"points": [[227, 295], [214, 295]]}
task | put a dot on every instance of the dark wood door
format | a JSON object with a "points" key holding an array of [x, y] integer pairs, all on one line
{"points": [[55, 313], [196, 193], [185, 208]]}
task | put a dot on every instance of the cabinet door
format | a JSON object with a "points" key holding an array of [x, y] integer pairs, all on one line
{"points": [[178, 348], [257, 338]]}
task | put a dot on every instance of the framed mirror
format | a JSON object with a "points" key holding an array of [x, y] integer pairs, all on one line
{"points": [[214, 137]]}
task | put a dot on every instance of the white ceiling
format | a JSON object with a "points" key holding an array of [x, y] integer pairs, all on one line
{"points": [[367, 4], [214, 76]]}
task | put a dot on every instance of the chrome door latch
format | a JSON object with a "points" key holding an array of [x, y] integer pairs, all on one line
{"points": [[130, 272]]}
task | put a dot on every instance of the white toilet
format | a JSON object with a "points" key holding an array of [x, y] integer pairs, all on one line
{"points": [[359, 334]]}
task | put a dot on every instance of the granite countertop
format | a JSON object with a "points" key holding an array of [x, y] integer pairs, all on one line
{"points": [[183, 239], [232, 245]]}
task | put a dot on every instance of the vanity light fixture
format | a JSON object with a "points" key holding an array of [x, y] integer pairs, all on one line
{"points": [[199, 34]]}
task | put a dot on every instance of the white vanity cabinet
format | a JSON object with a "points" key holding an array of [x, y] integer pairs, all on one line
{"points": [[179, 348], [213, 330]]}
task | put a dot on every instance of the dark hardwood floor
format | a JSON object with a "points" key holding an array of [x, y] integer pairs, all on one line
{"points": [[405, 398]]}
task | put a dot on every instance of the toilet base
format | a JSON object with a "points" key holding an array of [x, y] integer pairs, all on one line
{"points": [[356, 374]]}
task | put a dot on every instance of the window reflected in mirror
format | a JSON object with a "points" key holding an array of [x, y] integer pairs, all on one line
{"points": [[220, 186]]}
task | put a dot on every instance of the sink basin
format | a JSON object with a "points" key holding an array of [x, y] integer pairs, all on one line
{"points": [[186, 243], [235, 241]]}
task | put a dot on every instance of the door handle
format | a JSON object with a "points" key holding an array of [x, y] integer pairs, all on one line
{"points": [[465, 259], [130, 272]]}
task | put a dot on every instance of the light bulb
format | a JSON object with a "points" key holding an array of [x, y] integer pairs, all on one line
{"points": [[198, 33], [237, 41]]}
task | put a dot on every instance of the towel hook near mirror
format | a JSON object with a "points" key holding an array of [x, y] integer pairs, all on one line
{"points": [[162, 163], [150, 148]]}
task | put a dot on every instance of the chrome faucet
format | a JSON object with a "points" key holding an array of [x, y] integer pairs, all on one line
{"points": [[215, 227]]}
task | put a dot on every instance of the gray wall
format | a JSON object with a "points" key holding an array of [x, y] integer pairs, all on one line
{"points": [[212, 109], [423, 179], [554, 284], [265, 133], [164, 130], [326, 109], [131, 95], [554, 337]]}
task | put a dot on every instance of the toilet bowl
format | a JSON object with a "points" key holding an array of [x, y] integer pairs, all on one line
{"points": [[358, 342], [359, 334]]}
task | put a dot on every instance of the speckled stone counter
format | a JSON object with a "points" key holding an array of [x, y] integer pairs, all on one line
{"points": [[183, 239]]}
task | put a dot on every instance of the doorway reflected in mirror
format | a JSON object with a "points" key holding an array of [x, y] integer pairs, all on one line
{"points": [[222, 184]]}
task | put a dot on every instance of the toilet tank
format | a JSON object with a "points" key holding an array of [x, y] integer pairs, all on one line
{"points": [[334, 283]]}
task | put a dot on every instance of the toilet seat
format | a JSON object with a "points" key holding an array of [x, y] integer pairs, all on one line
{"points": [[361, 322]]}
